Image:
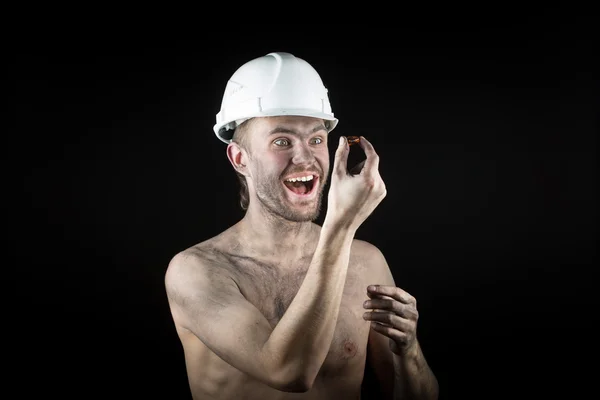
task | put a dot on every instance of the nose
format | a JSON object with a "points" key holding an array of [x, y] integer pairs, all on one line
{"points": [[303, 154]]}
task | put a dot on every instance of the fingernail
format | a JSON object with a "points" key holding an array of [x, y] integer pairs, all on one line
{"points": [[342, 140]]}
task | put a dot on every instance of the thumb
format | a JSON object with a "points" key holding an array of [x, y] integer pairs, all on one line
{"points": [[340, 163]]}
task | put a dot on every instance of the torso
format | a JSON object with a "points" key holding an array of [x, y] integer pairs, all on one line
{"points": [[271, 290]]}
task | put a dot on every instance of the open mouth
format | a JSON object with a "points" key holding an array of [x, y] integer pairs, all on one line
{"points": [[302, 185]]}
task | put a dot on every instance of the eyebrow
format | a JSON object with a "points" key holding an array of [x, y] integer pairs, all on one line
{"points": [[281, 129]]}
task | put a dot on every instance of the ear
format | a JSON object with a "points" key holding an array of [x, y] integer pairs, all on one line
{"points": [[237, 157]]}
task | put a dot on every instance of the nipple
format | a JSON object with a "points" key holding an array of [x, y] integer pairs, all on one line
{"points": [[349, 348]]}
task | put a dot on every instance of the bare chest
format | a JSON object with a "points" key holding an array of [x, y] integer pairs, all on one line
{"points": [[271, 291]]}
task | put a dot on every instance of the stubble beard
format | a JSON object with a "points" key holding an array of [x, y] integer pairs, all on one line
{"points": [[270, 194]]}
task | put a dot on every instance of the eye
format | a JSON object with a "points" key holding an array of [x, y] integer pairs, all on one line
{"points": [[317, 140], [281, 142]]}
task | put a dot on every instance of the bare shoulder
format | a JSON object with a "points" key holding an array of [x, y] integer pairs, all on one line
{"points": [[183, 267], [201, 260], [366, 251], [371, 261], [189, 259]]}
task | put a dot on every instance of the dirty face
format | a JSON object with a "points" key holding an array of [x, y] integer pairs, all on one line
{"points": [[289, 165]]}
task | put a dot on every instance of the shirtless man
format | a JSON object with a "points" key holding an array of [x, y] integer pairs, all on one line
{"points": [[276, 306]]}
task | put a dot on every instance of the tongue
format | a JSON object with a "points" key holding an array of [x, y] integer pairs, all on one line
{"points": [[297, 187]]}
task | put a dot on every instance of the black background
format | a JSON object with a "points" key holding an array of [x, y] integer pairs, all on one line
{"points": [[485, 121]]}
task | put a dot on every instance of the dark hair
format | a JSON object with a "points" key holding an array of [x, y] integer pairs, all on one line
{"points": [[240, 136]]}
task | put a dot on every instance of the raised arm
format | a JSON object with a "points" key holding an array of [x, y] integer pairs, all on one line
{"points": [[303, 336]]}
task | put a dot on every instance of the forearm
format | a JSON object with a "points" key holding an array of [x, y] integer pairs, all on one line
{"points": [[413, 379], [302, 338]]}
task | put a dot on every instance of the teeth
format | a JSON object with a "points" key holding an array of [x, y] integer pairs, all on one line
{"points": [[301, 179]]}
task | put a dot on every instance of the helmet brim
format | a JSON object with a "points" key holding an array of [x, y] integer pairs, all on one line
{"points": [[224, 131]]}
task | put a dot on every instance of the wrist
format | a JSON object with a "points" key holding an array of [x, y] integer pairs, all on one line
{"points": [[408, 354], [339, 225]]}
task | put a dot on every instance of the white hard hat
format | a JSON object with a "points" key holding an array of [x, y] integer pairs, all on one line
{"points": [[272, 85]]}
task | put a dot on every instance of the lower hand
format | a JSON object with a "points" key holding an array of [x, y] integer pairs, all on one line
{"points": [[394, 315]]}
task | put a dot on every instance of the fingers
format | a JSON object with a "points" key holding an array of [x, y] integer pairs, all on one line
{"points": [[396, 335], [341, 156], [407, 311], [372, 161], [393, 292], [357, 168], [377, 296], [388, 319], [369, 165]]}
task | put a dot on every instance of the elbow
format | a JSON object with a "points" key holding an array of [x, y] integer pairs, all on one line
{"points": [[292, 374], [296, 387], [300, 385], [294, 383]]}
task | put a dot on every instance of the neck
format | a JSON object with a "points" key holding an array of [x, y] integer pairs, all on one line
{"points": [[270, 234]]}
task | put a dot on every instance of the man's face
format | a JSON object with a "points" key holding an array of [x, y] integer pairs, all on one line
{"points": [[289, 165]]}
